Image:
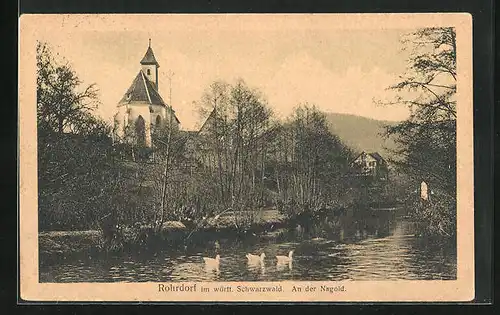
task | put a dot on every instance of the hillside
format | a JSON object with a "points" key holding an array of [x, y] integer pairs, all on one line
{"points": [[360, 133]]}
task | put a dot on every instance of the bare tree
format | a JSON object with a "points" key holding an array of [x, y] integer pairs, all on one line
{"points": [[62, 104], [76, 170], [309, 163], [427, 139]]}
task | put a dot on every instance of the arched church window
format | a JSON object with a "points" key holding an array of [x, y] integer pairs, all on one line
{"points": [[140, 131], [158, 120], [149, 71]]}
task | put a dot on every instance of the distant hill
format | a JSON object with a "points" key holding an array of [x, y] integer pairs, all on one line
{"points": [[361, 133]]}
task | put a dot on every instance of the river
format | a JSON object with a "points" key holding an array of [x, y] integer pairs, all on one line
{"points": [[379, 248]]}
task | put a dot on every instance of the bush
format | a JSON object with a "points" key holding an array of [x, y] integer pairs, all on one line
{"points": [[436, 217]]}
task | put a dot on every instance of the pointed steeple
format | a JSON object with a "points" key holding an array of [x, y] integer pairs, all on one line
{"points": [[149, 57]]}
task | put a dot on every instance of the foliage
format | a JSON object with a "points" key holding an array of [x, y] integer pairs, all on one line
{"points": [[256, 161], [76, 173], [62, 104], [438, 216], [71, 190], [427, 139], [309, 162], [234, 143]]}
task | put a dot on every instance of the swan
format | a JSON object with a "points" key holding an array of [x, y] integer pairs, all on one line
{"points": [[212, 261], [281, 266], [256, 258], [285, 259]]}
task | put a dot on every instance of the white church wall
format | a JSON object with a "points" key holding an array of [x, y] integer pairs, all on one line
{"points": [[141, 109], [157, 111], [120, 122]]}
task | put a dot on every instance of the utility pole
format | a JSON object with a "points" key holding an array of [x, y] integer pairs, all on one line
{"points": [[170, 75]]}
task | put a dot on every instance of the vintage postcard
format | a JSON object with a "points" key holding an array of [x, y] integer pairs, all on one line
{"points": [[246, 157]]}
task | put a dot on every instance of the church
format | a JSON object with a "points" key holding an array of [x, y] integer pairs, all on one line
{"points": [[142, 109]]}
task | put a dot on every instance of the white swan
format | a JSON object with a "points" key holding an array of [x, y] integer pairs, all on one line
{"points": [[212, 261], [255, 258], [281, 266], [285, 259]]}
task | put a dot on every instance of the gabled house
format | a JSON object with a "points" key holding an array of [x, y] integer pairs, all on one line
{"points": [[370, 165]]}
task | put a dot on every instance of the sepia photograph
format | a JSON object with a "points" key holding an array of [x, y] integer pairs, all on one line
{"points": [[241, 157]]}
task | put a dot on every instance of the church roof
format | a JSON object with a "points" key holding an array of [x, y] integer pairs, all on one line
{"points": [[149, 58], [143, 90]]}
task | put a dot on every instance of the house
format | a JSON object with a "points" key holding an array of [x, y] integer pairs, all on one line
{"points": [[142, 109], [371, 165]]}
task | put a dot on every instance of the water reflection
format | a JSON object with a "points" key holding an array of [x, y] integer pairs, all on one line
{"points": [[256, 268], [255, 265], [281, 266], [388, 251]]}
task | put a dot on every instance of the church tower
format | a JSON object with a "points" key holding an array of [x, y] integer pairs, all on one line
{"points": [[141, 109], [150, 66]]}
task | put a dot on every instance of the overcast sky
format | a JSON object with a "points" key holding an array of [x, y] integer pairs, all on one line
{"points": [[339, 70]]}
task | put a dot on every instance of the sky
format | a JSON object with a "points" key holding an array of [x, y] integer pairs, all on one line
{"points": [[290, 61]]}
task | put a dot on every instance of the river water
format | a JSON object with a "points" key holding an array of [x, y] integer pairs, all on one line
{"points": [[383, 249]]}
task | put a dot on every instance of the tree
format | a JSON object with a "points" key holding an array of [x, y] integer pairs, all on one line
{"points": [[76, 170], [250, 125], [427, 139], [234, 145], [214, 104], [62, 103], [309, 162], [168, 150]]}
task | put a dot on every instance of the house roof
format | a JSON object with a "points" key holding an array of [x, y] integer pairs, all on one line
{"points": [[377, 156], [374, 155], [149, 58], [143, 90], [210, 117]]}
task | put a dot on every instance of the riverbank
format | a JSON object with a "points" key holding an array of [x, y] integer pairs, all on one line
{"points": [[267, 226], [57, 245], [61, 245]]}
